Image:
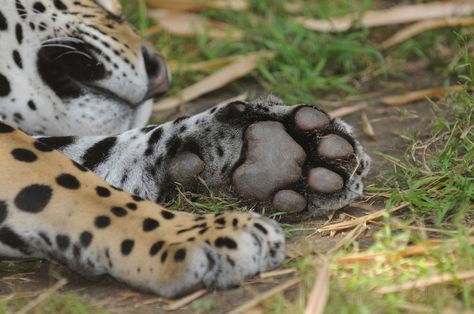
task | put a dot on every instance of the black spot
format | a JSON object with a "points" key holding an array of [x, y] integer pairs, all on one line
{"points": [[17, 59], [62, 241], [102, 222], [19, 33], [156, 247], [3, 22], [13, 240], [31, 105], [33, 198], [39, 7], [60, 5], [5, 128], [24, 155], [131, 206], [4, 86], [225, 242], [127, 246], [167, 215], [3, 211], [235, 222], [164, 256], [230, 261], [180, 255], [102, 191], [150, 224], [210, 261], [20, 8], [68, 181], [78, 166], [45, 238], [76, 251], [98, 153], [260, 227], [86, 238], [172, 146], [137, 198], [119, 211], [41, 147], [57, 142], [220, 221]]}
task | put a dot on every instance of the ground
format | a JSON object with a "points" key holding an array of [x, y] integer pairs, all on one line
{"points": [[435, 183]]}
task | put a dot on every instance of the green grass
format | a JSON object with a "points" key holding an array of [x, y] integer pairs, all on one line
{"points": [[64, 303], [439, 190]]}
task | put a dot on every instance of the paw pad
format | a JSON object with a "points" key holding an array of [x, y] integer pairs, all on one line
{"points": [[273, 161], [324, 180], [333, 146]]}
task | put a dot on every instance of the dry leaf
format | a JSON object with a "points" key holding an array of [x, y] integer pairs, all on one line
{"points": [[265, 295], [396, 15], [423, 26], [204, 65], [191, 24], [360, 220], [185, 300], [367, 127], [344, 111], [423, 283], [193, 5], [320, 293], [232, 72], [410, 97]]}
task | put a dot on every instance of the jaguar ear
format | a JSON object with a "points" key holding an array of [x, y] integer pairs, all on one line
{"points": [[112, 6]]}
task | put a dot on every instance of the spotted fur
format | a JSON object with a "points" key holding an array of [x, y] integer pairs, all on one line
{"points": [[76, 75]]}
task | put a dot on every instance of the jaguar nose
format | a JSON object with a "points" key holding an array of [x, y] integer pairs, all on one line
{"points": [[159, 75]]}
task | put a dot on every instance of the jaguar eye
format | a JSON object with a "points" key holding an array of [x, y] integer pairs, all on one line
{"points": [[112, 6]]}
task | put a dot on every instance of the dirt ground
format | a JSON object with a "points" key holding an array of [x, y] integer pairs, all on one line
{"points": [[388, 123]]}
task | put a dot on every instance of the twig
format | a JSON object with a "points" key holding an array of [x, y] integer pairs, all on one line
{"points": [[261, 297], [396, 15], [349, 238], [352, 223], [185, 300], [398, 100], [227, 74], [42, 297], [193, 5], [275, 273], [423, 283], [344, 111], [414, 250], [423, 26], [320, 292]]}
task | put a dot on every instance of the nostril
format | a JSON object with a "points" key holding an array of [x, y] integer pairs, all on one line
{"points": [[152, 63]]}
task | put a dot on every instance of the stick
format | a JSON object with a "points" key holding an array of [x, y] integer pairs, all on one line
{"points": [[352, 223], [214, 81], [423, 26], [43, 296], [396, 15], [423, 283], [320, 293], [410, 97], [258, 299], [185, 300]]}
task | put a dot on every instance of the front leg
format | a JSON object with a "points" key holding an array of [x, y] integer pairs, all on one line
{"points": [[294, 157], [51, 207]]}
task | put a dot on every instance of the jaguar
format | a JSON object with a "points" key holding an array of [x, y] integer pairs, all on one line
{"points": [[82, 176]]}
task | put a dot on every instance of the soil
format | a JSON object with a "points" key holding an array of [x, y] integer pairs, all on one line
{"points": [[388, 123]]}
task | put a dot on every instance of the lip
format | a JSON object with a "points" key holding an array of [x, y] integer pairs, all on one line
{"points": [[93, 89]]}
